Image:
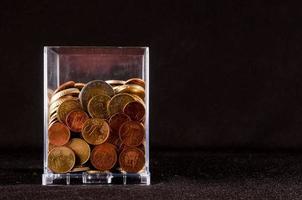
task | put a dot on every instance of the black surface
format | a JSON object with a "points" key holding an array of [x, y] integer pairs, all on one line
{"points": [[175, 175], [223, 73]]}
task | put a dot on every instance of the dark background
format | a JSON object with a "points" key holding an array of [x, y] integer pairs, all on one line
{"points": [[224, 74]]}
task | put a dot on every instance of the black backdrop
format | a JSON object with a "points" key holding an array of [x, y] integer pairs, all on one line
{"points": [[224, 74]]}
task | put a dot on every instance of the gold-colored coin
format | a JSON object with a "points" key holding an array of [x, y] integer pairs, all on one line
{"points": [[97, 106], [56, 103], [93, 171], [115, 82], [94, 88], [69, 91], [80, 169], [118, 102], [53, 118], [136, 81], [131, 89], [95, 131], [61, 159], [66, 107], [51, 146], [81, 150], [79, 85]]}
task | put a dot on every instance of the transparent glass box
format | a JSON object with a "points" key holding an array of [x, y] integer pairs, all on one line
{"points": [[82, 65]]}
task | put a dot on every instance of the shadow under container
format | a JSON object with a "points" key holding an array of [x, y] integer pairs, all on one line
{"points": [[86, 72]]}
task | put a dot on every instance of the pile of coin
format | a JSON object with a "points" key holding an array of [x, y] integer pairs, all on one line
{"points": [[97, 126]]}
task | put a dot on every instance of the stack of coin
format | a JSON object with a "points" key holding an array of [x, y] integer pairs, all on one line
{"points": [[97, 126]]}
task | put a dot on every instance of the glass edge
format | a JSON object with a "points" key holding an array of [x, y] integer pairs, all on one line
{"points": [[45, 103], [147, 107]]}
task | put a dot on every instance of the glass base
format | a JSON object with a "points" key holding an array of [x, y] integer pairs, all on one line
{"points": [[106, 178]]}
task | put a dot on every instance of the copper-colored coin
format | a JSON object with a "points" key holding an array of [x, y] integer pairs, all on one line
{"points": [[132, 133], [136, 81], [122, 147], [69, 91], [117, 120], [118, 102], [114, 83], [61, 159], [114, 139], [81, 150], [79, 85], [131, 89], [135, 110], [66, 107], [58, 134], [68, 84], [132, 160], [103, 157], [94, 88], [95, 131], [75, 120], [97, 106], [80, 169]]}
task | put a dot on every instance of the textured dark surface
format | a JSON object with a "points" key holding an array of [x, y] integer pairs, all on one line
{"points": [[175, 175]]}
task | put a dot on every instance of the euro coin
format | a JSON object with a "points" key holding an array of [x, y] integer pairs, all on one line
{"points": [[97, 106], [132, 133], [118, 102], [58, 134], [94, 88], [132, 160], [103, 156], [95, 131], [61, 159]]}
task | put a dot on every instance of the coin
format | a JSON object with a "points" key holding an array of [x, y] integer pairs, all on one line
{"points": [[103, 157], [115, 82], [81, 150], [55, 104], [66, 107], [79, 85], [94, 88], [80, 169], [97, 106], [132, 160], [122, 146], [118, 102], [131, 89], [75, 120], [61, 159], [58, 134], [117, 120], [95, 131], [53, 119], [135, 110], [114, 139], [68, 84], [69, 91], [132, 133], [50, 146], [93, 171], [136, 81]]}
